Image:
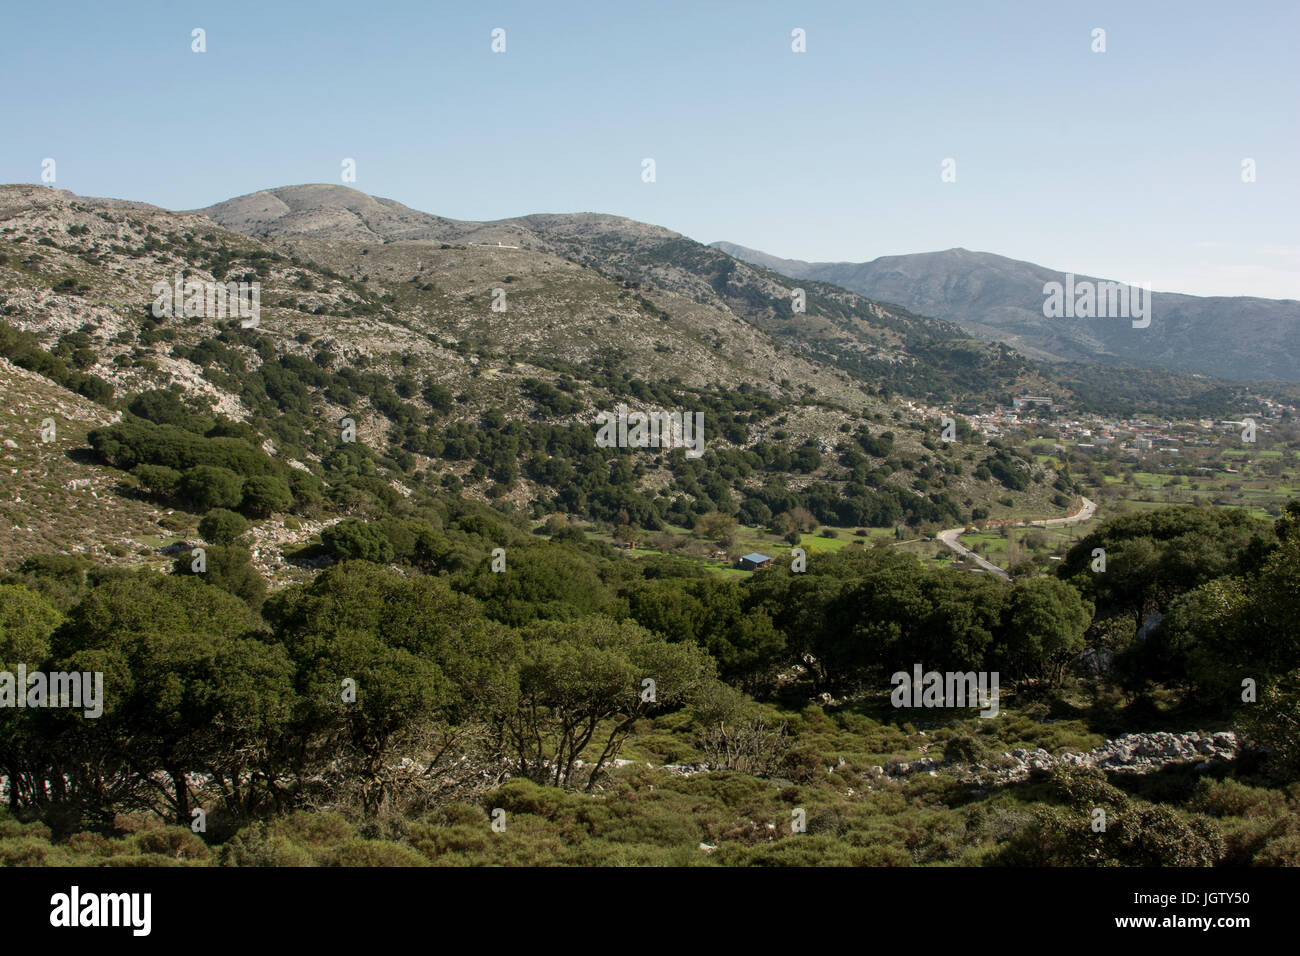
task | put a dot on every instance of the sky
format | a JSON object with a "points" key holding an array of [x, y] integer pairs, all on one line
{"points": [[1124, 164]]}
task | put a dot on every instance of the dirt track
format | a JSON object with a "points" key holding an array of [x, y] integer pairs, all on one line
{"points": [[951, 536]]}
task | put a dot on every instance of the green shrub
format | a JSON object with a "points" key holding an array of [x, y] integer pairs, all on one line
{"points": [[375, 853], [30, 851], [175, 843]]}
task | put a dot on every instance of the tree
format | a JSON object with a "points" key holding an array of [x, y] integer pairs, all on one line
{"points": [[190, 686], [1274, 724], [735, 734], [544, 580], [419, 655], [61, 579], [803, 520], [265, 494], [421, 615], [221, 526], [710, 612], [26, 622], [357, 540], [1235, 627], [230, 569], [1154, 556], [210, 486], [1042, 628], [714, 525], [584, 684], [158, 479]]}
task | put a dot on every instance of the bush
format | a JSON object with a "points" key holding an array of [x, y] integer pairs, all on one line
{"points": [[174, 523], [375, 853], [174, 842], [30, 851]]}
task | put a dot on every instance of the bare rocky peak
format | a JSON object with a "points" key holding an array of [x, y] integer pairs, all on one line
{"points": [[338, 212], [321, 210]]}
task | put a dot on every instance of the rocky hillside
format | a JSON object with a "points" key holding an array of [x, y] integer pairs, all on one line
{"points": [[401, 337], [878, 343]]}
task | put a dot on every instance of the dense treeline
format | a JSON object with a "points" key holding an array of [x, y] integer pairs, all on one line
{"points": [[185, 456], [541, 666]]}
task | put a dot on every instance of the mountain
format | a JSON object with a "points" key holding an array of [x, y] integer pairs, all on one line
{"points": [[156, 419], [1239, 338], [325, 211], [885, 345]]}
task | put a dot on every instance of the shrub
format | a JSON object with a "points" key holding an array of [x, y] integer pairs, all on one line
{"points": [[375, 853], [30, 851], [174, 842], [964, 748]]}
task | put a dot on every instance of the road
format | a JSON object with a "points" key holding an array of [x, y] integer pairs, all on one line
{"points": [[951, 536]]}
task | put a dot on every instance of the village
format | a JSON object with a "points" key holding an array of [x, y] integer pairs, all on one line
{"points": [[1031, 417]]}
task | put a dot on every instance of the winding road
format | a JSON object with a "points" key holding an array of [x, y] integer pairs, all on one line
{"points": [[951, 536]]}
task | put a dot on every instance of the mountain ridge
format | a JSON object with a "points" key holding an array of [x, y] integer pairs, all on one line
{"points": [[997, 298]]}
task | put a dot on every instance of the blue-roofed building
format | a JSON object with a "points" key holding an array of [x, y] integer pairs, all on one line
{"points": [[754, 561]]}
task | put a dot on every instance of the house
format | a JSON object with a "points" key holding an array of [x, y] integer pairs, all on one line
{"points": [[1028, 400], [753, 561]]}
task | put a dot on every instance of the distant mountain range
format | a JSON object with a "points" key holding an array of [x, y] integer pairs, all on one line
{"points": [[999, 299], [974, 329]]}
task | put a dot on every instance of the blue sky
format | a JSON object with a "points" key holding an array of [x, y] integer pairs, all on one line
{"points": [[1124, 164]]}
